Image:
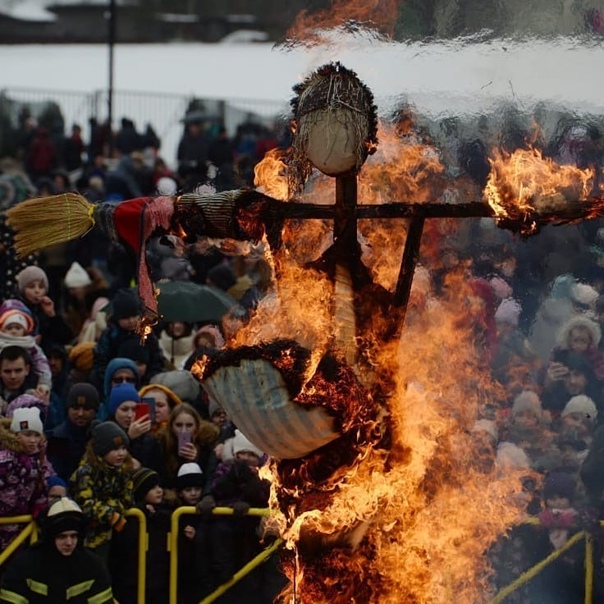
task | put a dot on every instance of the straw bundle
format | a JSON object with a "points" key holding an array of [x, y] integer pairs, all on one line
{"points": [[44, 221]]}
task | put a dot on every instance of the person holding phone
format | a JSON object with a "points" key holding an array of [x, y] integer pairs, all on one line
{"points": [[186, 439], [165, 400], [124, 410]]}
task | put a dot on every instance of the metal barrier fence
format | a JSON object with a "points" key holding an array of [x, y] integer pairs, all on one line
{"points": [[30, 531], [163, 111]]}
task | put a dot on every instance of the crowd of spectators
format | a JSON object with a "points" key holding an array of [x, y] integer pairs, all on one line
{"points": [[74, 374]]}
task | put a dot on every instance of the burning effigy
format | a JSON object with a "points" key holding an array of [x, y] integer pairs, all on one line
{"points": [[377, 479]]}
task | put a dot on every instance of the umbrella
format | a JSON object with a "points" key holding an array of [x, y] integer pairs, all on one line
{"points": [[190, 302]]}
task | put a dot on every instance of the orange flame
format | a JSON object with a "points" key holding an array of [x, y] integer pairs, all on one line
{"points": [[381, 14], [525, 183], [270, 175]]}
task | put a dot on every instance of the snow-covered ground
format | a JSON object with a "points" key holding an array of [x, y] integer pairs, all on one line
{"points": [[440, 78]]}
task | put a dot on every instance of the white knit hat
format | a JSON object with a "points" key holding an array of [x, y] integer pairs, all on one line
{"points": [[581, 404], [488, 426], [76, 276], [511, 456], [189, 475], [26, 418], [241, 443]]}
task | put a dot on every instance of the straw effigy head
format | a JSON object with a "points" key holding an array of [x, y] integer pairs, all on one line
{"points": [[335, 124]]}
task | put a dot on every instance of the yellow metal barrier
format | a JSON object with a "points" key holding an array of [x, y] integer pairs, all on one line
{"points": [[173, 547], [526, 576], [143, 546], [30, 531]]}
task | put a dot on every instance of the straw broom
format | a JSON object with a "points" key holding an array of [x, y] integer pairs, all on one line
{"points": [[45, 221]]}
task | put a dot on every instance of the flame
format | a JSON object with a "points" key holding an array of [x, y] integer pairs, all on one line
{"points": [[401, 508], [525, 183], [377, 14], [403, 169], [270, 175]]}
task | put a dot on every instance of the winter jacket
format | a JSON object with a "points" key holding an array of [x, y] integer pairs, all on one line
{"points": [[104, 493], [108, 346], [22, 481], [66, 447], [52, 330], [41, 574]]}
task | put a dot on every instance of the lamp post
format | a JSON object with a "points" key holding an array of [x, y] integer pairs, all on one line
{"points": [[111, 44]]}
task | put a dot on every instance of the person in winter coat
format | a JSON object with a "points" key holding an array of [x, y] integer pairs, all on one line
{"points": [[121, 326], [176, 343], [50, 326], [24, 468], [227, 544], [16, 329], [67, 441], [102, 485], [58, 359], [148, 497], [58, 568], [186, 438], [143, 447]]}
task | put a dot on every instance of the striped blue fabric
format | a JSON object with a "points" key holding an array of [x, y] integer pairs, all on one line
{"points": [[255, 397]]}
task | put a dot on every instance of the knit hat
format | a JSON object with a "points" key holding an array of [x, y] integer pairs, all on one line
{"points": [[26, 418], [211, 332], [213, 407], [30, 274], [181, 382], [106, 437], [56, 481], [125, 304], [121, 393], [173, 398], [511, 456], [27, 401], [134, 350], [77, 276], [143, 480], [222, 276], [189, 475], [527, 401], [18, 317], [63, 515], [241, 443], [508, 312], [559, 483], [584, 295], [488, 426], [581, 404], [81, 356], [83, 395]]}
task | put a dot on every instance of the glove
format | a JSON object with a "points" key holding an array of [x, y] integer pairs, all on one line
{"points": [[117, 521], [241, 508], [206, 505]]}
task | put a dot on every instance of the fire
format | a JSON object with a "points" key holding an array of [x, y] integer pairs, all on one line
{"points": [[270, 176], [379, 14], [397, 509], [525, 185], [403, 169]]}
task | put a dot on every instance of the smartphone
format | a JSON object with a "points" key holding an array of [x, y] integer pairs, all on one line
{"points": [[150, 400], [141, 410], [184, 438]]}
